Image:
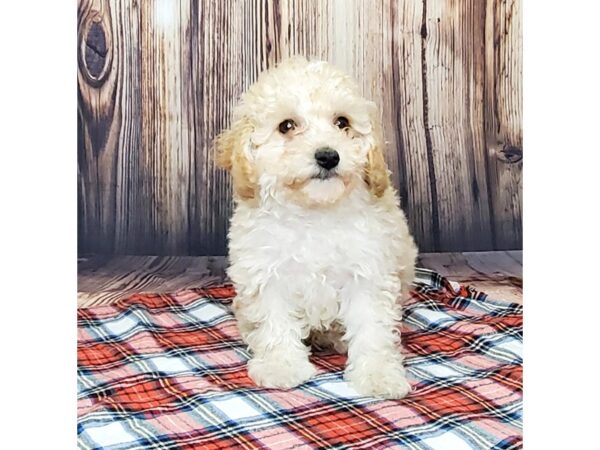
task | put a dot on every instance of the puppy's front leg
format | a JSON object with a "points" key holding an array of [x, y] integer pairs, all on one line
{"points": [[279, 358], [374, 365]]}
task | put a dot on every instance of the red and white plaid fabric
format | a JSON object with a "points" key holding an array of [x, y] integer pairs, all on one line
{"points": [[169, 372]]}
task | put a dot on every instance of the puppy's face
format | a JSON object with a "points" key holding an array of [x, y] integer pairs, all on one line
{"points": [[304, 133]]}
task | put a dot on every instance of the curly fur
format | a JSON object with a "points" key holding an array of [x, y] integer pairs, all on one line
{"points": [[312, 259]]}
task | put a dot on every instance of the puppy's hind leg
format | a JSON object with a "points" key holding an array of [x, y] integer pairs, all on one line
{"points": [[240, 306]]}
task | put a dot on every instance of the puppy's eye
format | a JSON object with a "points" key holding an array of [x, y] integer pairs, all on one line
{"points": [[342, 123], [287, 125]]}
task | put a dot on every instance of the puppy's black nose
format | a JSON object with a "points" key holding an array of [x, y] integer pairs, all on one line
{"points": [[327, 158]]}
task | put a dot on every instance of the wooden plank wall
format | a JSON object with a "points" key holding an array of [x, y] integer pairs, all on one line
{"points": [[157, 80]]}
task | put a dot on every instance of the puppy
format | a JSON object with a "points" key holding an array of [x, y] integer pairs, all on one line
{"points": [[320, 251]]}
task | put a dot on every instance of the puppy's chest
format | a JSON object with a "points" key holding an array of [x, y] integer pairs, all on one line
{"points": [[313, 258], [319, 263], [325, 250]]}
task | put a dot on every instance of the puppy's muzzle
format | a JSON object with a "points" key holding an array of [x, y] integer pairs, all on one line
{"points": [[327, 158]]}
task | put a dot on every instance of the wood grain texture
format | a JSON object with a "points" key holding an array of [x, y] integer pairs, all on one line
{"points": [[452, 34], [102, 280], [503, 101], [157, 81]]}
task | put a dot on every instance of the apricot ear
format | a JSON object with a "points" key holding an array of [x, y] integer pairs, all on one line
{"points": [[231, 146], [376, 175]]}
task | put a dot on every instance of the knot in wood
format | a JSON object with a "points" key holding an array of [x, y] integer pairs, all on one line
{"points": [[510, 154], [95, 53]]}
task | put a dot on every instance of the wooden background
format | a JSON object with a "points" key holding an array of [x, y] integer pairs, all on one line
{"points": [[157, 80]]}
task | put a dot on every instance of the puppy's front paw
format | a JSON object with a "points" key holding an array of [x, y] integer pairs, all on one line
{"points": [[280, 373], [383, 380]]}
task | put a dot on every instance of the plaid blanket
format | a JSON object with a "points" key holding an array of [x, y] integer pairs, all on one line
{"points": [[169, 372]]}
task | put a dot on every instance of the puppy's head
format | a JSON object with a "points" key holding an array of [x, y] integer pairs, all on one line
{"points": [[303, 133]]}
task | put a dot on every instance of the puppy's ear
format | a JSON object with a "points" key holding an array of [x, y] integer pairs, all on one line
{"points": [[232, 146], [377, 175]]}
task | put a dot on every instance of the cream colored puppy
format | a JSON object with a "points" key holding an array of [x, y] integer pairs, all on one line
{"points": [[319, 248]]}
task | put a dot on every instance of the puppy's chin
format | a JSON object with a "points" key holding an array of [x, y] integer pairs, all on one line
{"points": [[316, 192], [325, 191]]}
